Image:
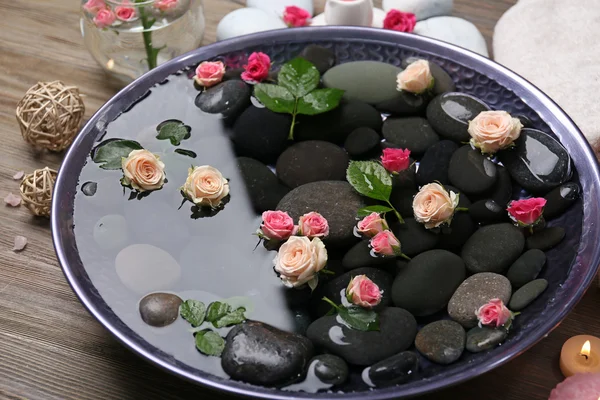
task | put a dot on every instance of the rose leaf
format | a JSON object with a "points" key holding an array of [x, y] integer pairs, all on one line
{"points": [[370, 179], [359, 318], [193, 311], [299, 76], [233, 318], [276, 98], [319, 101], [174, 131], [365, 211], [217, 310], [187, 153], [209, 343], [110, 152]]}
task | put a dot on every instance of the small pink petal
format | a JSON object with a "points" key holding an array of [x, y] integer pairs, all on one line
{"points": [[20, 243], [12, 200], [19, 175]]}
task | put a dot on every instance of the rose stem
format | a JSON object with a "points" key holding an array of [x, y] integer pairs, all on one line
{"points": [[147, 35], [325, 299], [405, 256], [400, 219], [461, 209], [291, 135]]}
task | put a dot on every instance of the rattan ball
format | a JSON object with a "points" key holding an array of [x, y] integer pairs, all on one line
{"points": [[50, 115], [36, 191]]}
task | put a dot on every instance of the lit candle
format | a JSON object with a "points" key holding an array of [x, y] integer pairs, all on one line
{"points": [[580, 354]]}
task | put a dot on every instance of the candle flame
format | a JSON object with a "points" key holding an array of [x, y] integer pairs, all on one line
{"points": [[586, 350]]}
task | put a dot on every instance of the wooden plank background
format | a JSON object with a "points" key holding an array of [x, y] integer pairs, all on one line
{"points": [[50, 347]]}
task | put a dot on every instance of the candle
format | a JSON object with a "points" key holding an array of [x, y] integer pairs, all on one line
{"points": [[580, 354], [578, 387]]}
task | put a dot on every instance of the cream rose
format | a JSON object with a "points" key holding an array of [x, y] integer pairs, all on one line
{"points": [[494, 130], [416, 78], [434, 205], [299, 260], [205, 186], [143, 171]]}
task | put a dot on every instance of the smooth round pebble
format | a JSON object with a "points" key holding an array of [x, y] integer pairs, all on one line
{"points": [[402, 200], [560, 199], [264, 189], [502, 190], [413, 133], [435, 163], [471, 172], [160, 309], [360, 256], [244, 21], [487, 211], [111, 232], [144, 268], [527, 294], [321, 57], [362, 143], [454, 237], [493, 248], [442, 342], [546, 239], [330, 369], [450, 113], [526, 268], [228, 98], [484, 338], [413, 236], [396, 369]]}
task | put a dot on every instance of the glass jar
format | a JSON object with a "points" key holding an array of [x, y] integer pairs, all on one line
{"points": [[130, 37]]}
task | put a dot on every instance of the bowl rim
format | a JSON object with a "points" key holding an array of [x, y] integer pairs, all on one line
{"points": [[63, 195]]}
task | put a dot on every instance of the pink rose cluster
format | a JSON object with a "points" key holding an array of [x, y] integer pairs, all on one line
{"points": [[279, 226], [527, 212], [363, 292], [383, 241], [104, 16], [494, 314]]}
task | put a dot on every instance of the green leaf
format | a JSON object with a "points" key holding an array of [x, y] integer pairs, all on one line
{"points": [[193, 311], [363, 212], [359, 318], [217, 310], [276, 98], [233, 318], [319, 101], [111, 152], [187, 153], [370, 179], [174, 131], [299, 76], [209, 343]]}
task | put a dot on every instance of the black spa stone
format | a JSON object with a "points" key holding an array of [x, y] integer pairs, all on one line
{"points": [[228, 98], [450, 113], [405, 104], [261, 134], [487, 211], [264, 355], [360, 256], [397, 330], [524, 120], [454, 237], [502, 190], [233, 73], [337, 201], [538, 162], [546, 239], [413, 133], [527, 294], [427, 283], [406, 179], [435, 162], [413, 236], [526, 268], [312, 161], [330, 369], [484, 338], [395, 369], [471, 172], [264, 189], [443, 81], [362, 143], [402, 200], [335, 126], [493, 248], [321, 57], [442, 342], [560, 199]]}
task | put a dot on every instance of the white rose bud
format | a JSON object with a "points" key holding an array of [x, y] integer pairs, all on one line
{"points": [[492, 131], [416, 78]]}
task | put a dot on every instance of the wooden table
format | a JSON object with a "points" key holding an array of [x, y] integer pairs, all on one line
{"points": [[50, 347]]}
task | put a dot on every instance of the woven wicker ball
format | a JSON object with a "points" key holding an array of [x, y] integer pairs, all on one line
{"points": [[36, 191], [50, 115]]}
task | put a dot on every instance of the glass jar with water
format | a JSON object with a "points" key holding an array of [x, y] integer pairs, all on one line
{"points": [[130, 37]]}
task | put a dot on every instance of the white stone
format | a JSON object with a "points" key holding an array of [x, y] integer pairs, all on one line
{"points": [[378, 17], [453, 30], [245, 21], [422, 9], [319, 20], [110, 232], [144, 268], [277, 6]]}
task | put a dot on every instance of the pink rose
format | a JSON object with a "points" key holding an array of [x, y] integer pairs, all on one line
{"points": [[363, 292], [257, 69], [125, 12], [526, 212], [494, 314], [395, 160], [104, 18], [295, 16], [399, 21], [93, 6], [372, 224], [313, 225], [165, 5], [386, 244], [209, 73], [277, 225]]}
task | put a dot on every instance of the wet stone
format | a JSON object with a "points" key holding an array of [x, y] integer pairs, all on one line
{"points": [[264, 189], [435, 163], [405, 104], [524, 120], [546, 238], [228, 98], [471, 172], [413, 236], [406, 179], [487, 212], [443, 81], [484, 338], [362, 143], [395, 369], [502, 190], [402, 201], [527, 294], [296, 166], [493, 248], [321, 57], [454, 237], [261, 354], [360, 256], [442, 342], [450, 113], [526, 268], [538, 162], [413, 133], [330, 369], [160, 309], [560, 199]]}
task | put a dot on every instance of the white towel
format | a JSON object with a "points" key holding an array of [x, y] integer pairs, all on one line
{"points": [[555, 44]]}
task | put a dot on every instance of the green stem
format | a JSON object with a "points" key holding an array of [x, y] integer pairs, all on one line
{"points": [[291, 135], [405, 256], [531, 229], [400, 219], [327, 272], [461, 209], [325, 299], [151, 54]]}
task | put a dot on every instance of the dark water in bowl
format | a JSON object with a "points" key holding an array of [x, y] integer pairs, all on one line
{"points": [[134, 247]]}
